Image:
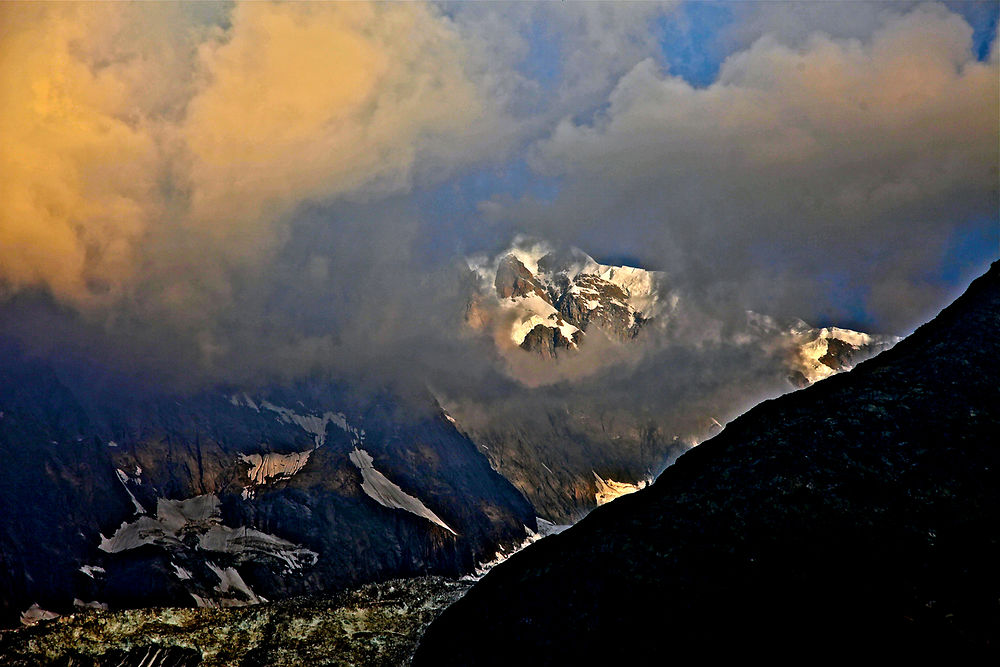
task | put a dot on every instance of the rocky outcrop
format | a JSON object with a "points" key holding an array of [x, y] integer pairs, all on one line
{"points": [[513, 280], [591, 299], [859, 516], [375, 625], [547, 341]]}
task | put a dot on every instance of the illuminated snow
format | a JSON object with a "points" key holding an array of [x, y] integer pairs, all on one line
{"points": [[271, 467], [640, 286], [527, 254], [608, 489], [818, 344], [379, 488], [521, 329], [535, 310]]}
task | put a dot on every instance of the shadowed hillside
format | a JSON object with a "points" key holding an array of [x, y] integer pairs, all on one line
{"points": [[861, 512]]}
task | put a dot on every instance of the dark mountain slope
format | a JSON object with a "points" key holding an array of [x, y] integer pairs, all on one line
{"points": [[862, 513], [124, 499]]}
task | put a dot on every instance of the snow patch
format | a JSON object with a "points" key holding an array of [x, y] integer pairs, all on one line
{"points": [[124, 478], [608, 489], [312, 424], [309, 423], [229, 581], [94, 604], [566, 329], [271, 467], [379, 488], [202, 516], [243, 400], [92, 571], [545, 528], [35, 614]]}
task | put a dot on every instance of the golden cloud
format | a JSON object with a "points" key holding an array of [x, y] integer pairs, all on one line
{"points": [[134, 132]]}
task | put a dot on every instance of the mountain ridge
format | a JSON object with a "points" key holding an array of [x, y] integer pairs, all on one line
{"points": [[590, 346], [798, 530]]}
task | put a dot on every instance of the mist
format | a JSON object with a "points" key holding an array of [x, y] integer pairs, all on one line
{"points": [[254, 193]]}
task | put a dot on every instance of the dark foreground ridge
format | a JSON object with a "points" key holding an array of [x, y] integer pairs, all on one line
{"points": [[861, 513]]}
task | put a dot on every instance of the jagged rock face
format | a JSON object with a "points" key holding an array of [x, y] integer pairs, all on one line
{"points": [[576, 294], [858, 516], [373, 625], [222, 498], [547, 341], [838, 354], [555, 456], [592, 299], [514, 280]]}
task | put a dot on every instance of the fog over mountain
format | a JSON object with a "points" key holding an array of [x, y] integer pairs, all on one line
{"points": [[858, 516], [299, 297], [191, 202]]}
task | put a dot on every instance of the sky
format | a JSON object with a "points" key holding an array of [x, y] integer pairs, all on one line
{"points": [[250, 190]]}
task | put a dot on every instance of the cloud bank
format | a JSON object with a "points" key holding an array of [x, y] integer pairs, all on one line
{"points": [[255, 190], [124, 148], [835, 155]]}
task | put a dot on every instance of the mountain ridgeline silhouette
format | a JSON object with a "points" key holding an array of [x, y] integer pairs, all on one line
{"points": [[861, 513]]}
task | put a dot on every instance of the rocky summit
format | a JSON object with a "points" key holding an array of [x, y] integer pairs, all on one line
{"points": [[857, 517]]}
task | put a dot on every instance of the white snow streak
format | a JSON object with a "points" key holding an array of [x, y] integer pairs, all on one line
{"points": [[379, 488]]}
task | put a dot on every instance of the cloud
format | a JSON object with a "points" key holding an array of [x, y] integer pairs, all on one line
{"points": [[237, 190], [136, 135], [79, 170], [858, 157], [311, 101]]}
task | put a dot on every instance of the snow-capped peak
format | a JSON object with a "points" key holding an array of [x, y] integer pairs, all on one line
{"points": [[546, 299]]}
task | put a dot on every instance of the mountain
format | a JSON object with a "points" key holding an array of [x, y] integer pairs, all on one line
{"points": [[117, 497], [548, 300], [614, 371], [857, 517], [129, 495]]}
